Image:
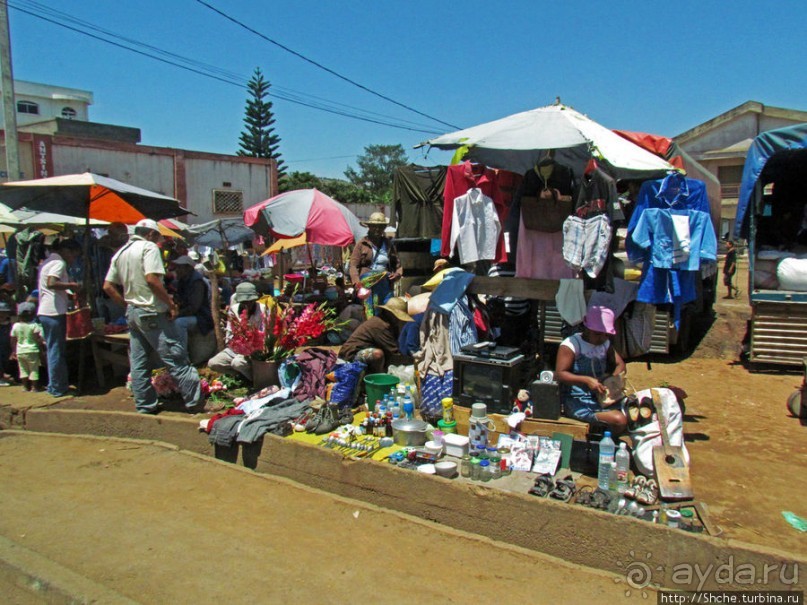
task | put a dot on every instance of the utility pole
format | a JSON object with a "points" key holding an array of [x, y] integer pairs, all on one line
{"points": [[9, 103]]}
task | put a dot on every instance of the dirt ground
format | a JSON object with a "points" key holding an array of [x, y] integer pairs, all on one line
{"points": [[168, 527]]}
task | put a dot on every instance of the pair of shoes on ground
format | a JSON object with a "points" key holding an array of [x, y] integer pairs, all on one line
{"points": [[639, 413], [561, 490], [643, 490], [324, 421], [594, 497]]}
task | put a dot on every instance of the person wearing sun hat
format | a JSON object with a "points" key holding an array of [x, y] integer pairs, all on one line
{"points": [[375, 341], [374, 264], [244, 302], [583, 362]]}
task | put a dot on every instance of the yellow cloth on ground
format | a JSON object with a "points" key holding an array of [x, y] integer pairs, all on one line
{"points": [[357, 420]]}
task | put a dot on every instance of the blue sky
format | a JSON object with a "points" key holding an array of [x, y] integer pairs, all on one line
{"points": [[647, 66]]}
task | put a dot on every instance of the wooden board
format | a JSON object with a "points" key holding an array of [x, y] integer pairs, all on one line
{"points": [[672, 470]]}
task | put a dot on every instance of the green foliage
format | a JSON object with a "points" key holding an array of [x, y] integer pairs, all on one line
{"points": [[258, 139], [376, 168]]}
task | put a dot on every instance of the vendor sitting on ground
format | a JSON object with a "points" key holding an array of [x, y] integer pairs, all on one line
{"points": [[193, 299], [228, 361], [375, 341], [584, 360]]}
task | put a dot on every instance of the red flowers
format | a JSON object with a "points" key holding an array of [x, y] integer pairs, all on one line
{"points": [[285, 328]]}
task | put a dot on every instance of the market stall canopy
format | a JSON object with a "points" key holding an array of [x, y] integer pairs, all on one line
{"points": [[29, 217], [519, 141], [765, 146], [92, 195], [221, 233], [6, 216], [322, 219]]}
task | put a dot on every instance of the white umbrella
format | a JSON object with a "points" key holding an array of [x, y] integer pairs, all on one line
{"points": [[518, 141], [6, 216]]}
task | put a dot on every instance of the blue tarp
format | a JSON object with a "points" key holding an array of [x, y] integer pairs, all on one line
{"points": [[764, 146]]}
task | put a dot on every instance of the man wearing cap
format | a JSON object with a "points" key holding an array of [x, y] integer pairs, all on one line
{"points": [[150, 312], [193, 299], [375, 341], [245, 302], [583, 362], [374, 264]]}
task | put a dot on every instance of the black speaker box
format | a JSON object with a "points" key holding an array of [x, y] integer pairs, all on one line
{"points": [[545, 399]]}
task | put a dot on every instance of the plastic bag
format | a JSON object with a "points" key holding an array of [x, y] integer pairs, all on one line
{"points": [[406, 374], [345, 390]]}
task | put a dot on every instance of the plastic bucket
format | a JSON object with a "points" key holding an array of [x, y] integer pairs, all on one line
{"points": [[378, 385]]}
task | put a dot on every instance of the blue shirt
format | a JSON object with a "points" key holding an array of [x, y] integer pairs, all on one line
{"points": [[653, 236]]}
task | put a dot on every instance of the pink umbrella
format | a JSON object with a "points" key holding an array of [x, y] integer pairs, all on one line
{"points": [[322, 219]]}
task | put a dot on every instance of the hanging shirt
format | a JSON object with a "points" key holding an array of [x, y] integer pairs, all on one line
{"points": [[474, 227], [653, 239], [597, 195]]}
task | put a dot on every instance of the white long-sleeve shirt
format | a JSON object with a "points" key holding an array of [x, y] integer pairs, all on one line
{"points": [[475, 227]]}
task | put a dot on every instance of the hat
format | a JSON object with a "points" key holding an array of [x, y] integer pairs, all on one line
{"points": [[184, 260], [194, 255], [600, 319], [376, 218], [390, 230], [148, 224], [439, 264], [397, 306], [246, 292], [6, 308], [25, 307]]}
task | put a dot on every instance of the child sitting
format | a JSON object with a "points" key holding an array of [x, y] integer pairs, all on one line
{"points": [[27, 341]]}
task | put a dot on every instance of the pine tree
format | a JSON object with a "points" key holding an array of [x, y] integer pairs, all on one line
{"points": [[258, 139]]}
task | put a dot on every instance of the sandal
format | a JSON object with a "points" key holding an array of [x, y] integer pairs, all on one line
{"points": [[646, 411], [638, 483], [542, 487], [584, 495], [632, 412], [649, 494], [564, 489]]}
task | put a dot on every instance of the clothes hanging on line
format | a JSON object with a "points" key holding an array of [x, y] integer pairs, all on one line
{"points": [[475, 227], [417, 197]]}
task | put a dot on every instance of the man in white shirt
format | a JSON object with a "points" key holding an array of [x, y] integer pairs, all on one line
{"points": [[150, 312], [54, 284], [245, 300]]}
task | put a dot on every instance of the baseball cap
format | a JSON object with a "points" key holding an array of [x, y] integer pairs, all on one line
{"points": [[148, 224], [184, 260], [25, 307]]}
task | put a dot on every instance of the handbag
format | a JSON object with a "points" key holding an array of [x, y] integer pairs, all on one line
{"points": [[546, 211], [79, 323]]}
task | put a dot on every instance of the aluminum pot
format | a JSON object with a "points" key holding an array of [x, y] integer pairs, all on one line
{"points": [[409, 433]]}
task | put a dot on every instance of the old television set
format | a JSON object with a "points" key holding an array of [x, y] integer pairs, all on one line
{"points": [[494, 382]]}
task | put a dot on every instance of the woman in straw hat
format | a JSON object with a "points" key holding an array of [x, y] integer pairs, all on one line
{"points": [[374, 264]]}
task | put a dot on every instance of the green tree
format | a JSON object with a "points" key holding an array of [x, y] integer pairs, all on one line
{"points": [[376, 168], [258, 139], [338, 189]]}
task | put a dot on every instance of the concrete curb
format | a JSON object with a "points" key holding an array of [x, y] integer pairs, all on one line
{"points": [[581, 536]]}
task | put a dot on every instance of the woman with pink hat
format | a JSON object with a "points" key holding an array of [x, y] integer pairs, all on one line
{"points": [[584, 361]]}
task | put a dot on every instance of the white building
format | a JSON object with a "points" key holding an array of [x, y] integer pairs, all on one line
{"points": [[38, 102]]}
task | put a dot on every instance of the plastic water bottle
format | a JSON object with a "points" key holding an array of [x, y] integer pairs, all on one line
{"points": [[408, 408], [607, 449], [622, 459]]}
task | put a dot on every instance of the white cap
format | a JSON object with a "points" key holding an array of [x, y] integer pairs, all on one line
{"points": [[183, 260], [194, 255], [148, 224]]}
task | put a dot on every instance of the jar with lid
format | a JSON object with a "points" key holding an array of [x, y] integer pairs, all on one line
{"points": [[492, 451], [484, 470], [496, 467], [475, 468], [465, 466], [687, 521]]}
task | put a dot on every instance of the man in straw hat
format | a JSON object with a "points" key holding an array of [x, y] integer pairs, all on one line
{"points": [[150, 312], [374, 264], [376, 340]]}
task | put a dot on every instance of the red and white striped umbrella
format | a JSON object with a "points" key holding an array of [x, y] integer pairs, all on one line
{"points": [[322, 219]]}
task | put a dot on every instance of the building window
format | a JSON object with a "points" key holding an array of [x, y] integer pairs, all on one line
{"points": [[27, 107], [69, 113], [228, 202], [730, 178]]}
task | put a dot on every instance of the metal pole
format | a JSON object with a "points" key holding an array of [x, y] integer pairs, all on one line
{"points": [[9, 104]]}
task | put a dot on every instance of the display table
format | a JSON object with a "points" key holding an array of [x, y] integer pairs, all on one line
{"points": [[109, 350]]}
